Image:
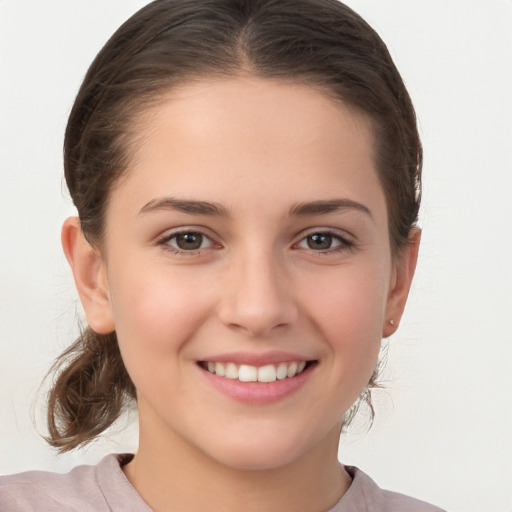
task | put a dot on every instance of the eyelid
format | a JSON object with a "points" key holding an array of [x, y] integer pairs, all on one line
{"points": [[172, 233], [340, 233], [346, 241]]}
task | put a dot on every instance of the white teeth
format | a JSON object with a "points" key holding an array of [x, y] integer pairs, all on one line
{"points": [[248, 373], [231, 371], [292, 370], [267, 373], [282, 371], [220, 369]]}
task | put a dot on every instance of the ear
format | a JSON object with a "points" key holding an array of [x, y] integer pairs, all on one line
{"points": [[401, 280], [90, 275]]}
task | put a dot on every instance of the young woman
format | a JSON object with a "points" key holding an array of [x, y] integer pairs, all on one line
{"points": [[247, 180]]}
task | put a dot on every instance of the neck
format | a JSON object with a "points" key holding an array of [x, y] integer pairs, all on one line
{"points": [[170, 474]]}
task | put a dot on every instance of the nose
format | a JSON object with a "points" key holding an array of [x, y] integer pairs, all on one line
{"points": [[257, 296]]}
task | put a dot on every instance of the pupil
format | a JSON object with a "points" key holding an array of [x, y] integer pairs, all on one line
{"points": [[319, 241], [189, 241]]}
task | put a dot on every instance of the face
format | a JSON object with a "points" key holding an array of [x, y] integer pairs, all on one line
{"points": [[248, 238]]}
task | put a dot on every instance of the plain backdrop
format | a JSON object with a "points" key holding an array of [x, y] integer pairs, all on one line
{"points": [[444, 422]]}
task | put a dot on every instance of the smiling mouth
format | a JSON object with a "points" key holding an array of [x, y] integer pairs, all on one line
{"points": [[248, 373]]}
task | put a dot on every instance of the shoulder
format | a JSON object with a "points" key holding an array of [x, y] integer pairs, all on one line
{"points": [[97, 488], [365, 495], [43, 490]]}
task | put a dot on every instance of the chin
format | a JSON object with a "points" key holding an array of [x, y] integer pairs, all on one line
{"points": [[260, 453], [257, 459]]}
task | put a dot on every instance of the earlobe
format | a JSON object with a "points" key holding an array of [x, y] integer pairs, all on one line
{"points": [[89, 273], [401, 283]]}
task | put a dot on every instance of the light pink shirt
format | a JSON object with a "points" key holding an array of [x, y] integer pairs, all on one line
{"points": [[105, 488]]}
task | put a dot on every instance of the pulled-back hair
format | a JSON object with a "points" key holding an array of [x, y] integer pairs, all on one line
{"points": [[321, 43]]}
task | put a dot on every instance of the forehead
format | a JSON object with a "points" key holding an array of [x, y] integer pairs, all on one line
{"points": [[246, 136], [269, 111]]}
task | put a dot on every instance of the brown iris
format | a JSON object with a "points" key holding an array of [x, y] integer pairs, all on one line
{"points": [[319, 241], [189, 241]]}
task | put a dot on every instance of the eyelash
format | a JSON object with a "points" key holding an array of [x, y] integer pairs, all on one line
{"points": [[343, 243], [164, 242]]}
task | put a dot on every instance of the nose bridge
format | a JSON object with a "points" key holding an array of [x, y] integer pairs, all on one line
{"points": [[259, 297]]}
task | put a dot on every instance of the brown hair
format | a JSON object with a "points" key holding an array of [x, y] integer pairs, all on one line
{"points": [[322, 43]]}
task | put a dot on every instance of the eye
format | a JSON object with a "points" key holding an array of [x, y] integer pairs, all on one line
{"points": [[186, 241], [324, 242]]}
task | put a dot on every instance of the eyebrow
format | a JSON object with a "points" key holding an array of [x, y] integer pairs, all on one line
{"points": [[185, 206], [328, 206], [207, 208]]}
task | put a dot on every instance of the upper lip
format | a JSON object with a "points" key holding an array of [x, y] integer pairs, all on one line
{"points": [[257, 359]]}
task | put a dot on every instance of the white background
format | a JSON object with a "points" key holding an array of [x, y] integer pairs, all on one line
{"points": [[443, 428]]}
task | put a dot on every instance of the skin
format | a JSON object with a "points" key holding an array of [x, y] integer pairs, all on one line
{"points": [[257, 148]]}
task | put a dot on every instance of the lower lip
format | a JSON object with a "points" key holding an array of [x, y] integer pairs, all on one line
{"points": [[258, 393]]}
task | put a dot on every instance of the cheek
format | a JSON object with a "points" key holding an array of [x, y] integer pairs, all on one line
{"points": [[155, 313], [354, 298], [350, 311]]}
